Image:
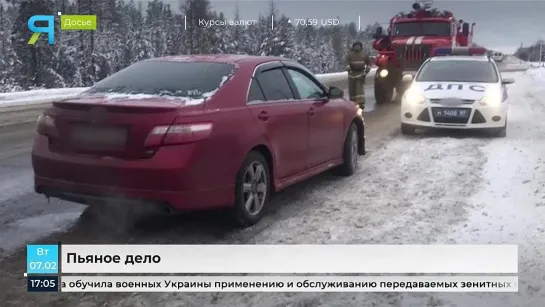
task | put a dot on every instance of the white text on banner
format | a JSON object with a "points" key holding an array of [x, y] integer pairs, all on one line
{"points": [[289, 284], [290, 259]]}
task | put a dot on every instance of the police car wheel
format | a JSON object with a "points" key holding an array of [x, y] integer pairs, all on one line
{"points": [[350, 152], [499, 132], [252, 189], [407, 129]]}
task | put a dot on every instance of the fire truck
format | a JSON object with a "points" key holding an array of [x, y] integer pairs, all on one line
{"points": [[411, 38]]}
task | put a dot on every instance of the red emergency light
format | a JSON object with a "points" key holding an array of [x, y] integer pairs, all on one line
{"points": [[446, 51]]}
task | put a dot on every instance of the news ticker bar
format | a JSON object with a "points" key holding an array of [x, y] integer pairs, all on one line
{"points": [[274, 284], [272, 259]]}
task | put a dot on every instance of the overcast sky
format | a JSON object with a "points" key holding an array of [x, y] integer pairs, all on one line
{"points": [[500, 24]]}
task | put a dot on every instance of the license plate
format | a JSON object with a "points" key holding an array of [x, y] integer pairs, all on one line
{"points": [[451, 113], [99, 137]]}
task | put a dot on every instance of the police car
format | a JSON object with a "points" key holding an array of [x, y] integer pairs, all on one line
{"points": [[457, 88]]}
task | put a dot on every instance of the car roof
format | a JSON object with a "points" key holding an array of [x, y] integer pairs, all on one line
{"points": [[221, 58], [479, 58]]}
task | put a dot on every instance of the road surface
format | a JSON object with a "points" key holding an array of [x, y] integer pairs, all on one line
{"points": [[427, 189]]}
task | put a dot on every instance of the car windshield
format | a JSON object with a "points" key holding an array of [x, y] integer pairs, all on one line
{"points": [[193, 80], [422, 29], [458, 71]]}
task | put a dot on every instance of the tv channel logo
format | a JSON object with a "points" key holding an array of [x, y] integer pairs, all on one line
{"points": [[68, 22]]}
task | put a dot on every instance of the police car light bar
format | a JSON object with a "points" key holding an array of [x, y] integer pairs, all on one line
{"points": [[444, 51]]}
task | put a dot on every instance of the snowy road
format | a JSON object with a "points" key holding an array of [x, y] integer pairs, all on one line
{"points": [[435, 188], [25, 216]]}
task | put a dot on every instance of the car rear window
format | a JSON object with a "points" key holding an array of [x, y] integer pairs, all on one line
{"points": [[194, 80], [458, 71]]}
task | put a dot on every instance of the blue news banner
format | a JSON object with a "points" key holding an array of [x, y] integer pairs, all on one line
{"points": [[42, 268]]}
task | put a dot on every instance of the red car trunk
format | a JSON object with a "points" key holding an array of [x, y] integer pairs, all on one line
{"points": [[115, 128]]}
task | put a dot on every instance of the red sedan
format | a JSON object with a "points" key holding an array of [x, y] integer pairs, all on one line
{"points": [[196, 132]]}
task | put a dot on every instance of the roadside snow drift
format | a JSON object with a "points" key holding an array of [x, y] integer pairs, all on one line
{"points": [[49, 95], [38, 96]]}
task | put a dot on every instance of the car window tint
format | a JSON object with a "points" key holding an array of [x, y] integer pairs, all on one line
{"points": [[255, 93], [195, 80], [307, 88], [275, 85], [458, 71]]}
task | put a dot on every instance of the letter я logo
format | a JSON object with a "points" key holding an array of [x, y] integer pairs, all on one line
{"points": [[49, 29]]}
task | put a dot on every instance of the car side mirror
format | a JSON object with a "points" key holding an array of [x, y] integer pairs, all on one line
{"points": [[335, 92], [407, 78], [506, 81]]}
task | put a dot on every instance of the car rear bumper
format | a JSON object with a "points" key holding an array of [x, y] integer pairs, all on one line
{"points": [[165, 200], [172, 178], [479, 118]]}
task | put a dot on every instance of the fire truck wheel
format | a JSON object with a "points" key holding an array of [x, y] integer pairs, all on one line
{"points": [[384, 91]]}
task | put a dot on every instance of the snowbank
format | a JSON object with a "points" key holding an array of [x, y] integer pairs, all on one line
{"points": [[538, 73], [38, 96], [48, 95]]}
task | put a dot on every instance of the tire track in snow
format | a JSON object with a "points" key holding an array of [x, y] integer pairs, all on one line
{"points": [[510, 206], [20, 220], [508, 209]]}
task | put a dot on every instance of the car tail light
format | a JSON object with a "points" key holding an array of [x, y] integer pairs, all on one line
{"points": [[178, 134], [46, 125]]}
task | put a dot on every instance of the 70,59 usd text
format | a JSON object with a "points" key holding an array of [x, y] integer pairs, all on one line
{"points": [[315, 22]]}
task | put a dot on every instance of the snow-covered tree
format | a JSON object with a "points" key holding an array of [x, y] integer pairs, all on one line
{"points": [[130, 31]]}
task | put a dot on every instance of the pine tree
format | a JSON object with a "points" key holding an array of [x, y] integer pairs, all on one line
{"points": [[34, 61], [128, 32], [198, 36]]}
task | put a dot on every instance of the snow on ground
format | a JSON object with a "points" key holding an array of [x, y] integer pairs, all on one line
{"points": [[510, 204], [37, 96], [429, 189], [538, 73], [48, 95]]}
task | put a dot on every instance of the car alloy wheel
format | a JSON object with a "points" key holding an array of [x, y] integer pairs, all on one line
{"points": [[254, 187]]}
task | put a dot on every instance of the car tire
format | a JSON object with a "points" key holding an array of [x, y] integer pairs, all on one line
{"points": [[499, 132], [350, 152], [383, 89], [251, 191], [407, 129]]}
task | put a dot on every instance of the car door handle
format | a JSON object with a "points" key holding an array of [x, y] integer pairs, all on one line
{"points": [[311, 111], [263, 116]]}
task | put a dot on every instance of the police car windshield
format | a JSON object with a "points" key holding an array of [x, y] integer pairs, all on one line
{"points": [[422, 29], [458, 71]]}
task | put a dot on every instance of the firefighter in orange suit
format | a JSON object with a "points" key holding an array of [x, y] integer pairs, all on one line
{"points": [[358, 64]]}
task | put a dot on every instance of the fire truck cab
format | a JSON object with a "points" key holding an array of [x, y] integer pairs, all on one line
{"points": [[409, 41]]}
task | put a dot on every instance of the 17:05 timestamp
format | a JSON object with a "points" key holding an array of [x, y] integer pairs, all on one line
{"points": [[43, 284]]}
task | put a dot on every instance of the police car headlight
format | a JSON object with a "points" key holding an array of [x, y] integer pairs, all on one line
{"points": [[492, 98], [383, 73], [413, 96]]}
